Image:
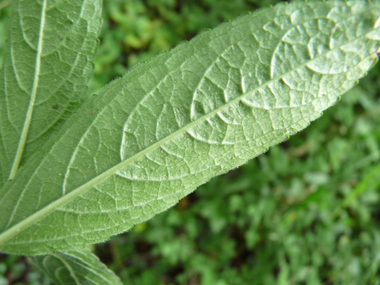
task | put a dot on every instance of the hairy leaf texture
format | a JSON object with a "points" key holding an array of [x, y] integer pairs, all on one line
{"points": [[168, 126], [47, 64]]}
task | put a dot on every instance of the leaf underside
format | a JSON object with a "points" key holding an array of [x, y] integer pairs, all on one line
{"points": [[168, 126], [47, 65], [75, 267]]}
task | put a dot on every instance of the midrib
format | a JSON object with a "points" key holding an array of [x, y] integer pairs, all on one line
{"points": [[8, 234], [33, 96]]}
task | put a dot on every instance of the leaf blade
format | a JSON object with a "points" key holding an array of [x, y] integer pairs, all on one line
{"points": [[29, 111], [75, 267], [46, 68], [146, 143]]}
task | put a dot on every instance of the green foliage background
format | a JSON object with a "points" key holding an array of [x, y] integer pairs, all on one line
{"points": [[307, 212]]}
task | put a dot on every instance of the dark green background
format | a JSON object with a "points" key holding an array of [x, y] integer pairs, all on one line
{"points": [[306, 212]]}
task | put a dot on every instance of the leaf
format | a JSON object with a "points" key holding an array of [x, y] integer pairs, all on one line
{"points": [[75, 267], [47, 65], [168, 126]]}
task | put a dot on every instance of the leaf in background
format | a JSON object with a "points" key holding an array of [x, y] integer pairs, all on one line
{"points": [[75, 268], [47, 64], [170, 125]]}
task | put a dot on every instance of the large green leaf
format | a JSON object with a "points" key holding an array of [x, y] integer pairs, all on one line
{"points": [[171, 124], [75, 268], [47, 64]]}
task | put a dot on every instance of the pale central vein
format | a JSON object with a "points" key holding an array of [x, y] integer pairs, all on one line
{"points": [[33, 96]]}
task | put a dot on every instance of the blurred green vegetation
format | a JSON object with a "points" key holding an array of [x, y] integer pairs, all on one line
{"points": [[306, 212]]}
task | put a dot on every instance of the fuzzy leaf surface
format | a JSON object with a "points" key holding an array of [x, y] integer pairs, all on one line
{"points": [[77, 267], [170, 125], [47, 65]]}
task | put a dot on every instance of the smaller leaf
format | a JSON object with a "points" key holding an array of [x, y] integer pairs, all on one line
{"points": [[47, 64], [75, 267]]}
